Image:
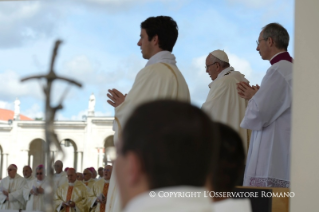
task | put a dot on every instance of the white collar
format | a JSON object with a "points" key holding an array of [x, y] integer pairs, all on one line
{"points": [[162, 57], [221, 74], [106, 181], [276, 55], [144, 202]]}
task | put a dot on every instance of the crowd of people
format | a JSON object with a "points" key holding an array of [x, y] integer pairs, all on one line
{"points": [[166, 145], [74, 191]]}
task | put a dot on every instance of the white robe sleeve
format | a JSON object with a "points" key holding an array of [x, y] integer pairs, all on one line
{"points": [[17, 195], [2, 196], [271, 100]]}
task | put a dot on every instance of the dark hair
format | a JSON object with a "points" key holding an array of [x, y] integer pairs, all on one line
{"points": [[231, 162], [165, 28], [169, 137], [278, 33]]}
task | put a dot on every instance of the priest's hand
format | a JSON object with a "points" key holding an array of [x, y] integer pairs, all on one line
{"points": [[71, 204], [246, 91], [116, 97], [40, 190], [31, 191], [5, 193]]}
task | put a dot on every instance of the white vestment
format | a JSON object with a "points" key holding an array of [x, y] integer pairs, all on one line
{"points": [[160, 79], [34, 202], [160, 202], [231, 205], [223, 104], [15, 188], [268, 115], [30, 180], [60, 179]]}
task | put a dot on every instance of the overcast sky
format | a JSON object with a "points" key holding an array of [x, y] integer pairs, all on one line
{"points": [[100, 45]]}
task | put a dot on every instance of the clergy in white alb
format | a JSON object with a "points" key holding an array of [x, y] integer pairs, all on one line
{"points": [[27, 174], [223, 103], [33, 193], [159, 79], [11, 189], [164, 158], [87, 178], [71, 197], [60, 177], [268, 113], [98, 193]]}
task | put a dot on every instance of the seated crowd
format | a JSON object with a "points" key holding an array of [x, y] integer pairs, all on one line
{"points": [[178, 151]]}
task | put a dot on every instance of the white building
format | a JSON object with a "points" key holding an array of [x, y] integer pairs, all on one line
{"points": [[83, 142]]}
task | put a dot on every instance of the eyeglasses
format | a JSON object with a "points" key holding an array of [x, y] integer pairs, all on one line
{"points": [[258, 41], [206, 67], [39, 173]]}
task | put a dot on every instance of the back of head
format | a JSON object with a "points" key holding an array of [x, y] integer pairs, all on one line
{"points": [[231, 162], [165, 28], [173, 141], [278, 33]]}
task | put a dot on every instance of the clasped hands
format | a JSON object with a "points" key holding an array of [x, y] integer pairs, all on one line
{"points": [[116, 97], [246, 91], [103, 201], [69, 204], [39, 190], [6, 194]]}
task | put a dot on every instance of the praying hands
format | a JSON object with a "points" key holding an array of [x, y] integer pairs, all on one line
{"points": [[246, 91]]}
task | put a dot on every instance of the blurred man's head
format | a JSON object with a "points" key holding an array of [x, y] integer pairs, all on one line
{"points": [[231, 162], [100, 171], [12, 170], [40, 172], [58, 166], [71, 175], [27, 171], [79, 176], [87, 174], [160, 141], [107, 172], [94, 173]]}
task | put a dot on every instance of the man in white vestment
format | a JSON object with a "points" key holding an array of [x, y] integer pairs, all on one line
{"points": [[87, 178], [155, 153], [60, 177], [231, 166], [100, 172], [98, 193], [223, 103], [268, 113], [11, 189], [34, 193], [79, 176], [27, 174], [71, 197], [159, 79]]}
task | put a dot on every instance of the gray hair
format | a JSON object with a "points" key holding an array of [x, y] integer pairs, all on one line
{"points": [[278, 33], [214, 59]]}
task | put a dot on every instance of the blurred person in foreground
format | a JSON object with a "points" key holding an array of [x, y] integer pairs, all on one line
{"points": [[229, 171], [155, 154]]}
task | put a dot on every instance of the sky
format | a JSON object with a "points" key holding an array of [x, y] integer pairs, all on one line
{"points": [[100, 49]]}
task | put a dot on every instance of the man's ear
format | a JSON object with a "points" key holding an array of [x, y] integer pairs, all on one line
{"points": [[134, 169], [270, 42], [155, 40]]}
